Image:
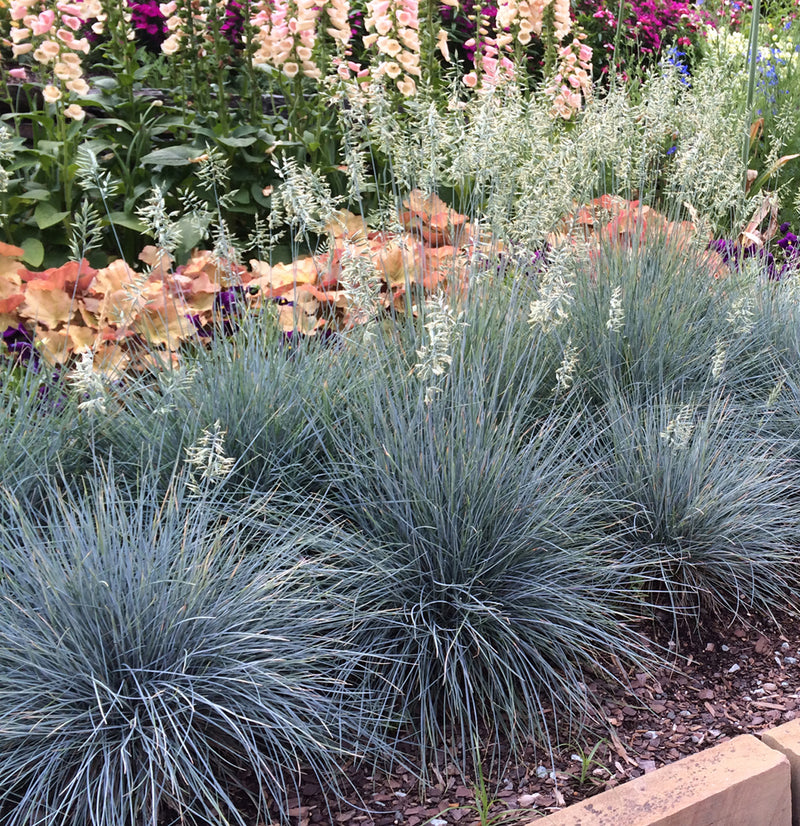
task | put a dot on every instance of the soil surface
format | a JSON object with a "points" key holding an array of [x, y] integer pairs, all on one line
{"points": [[738, 680]]}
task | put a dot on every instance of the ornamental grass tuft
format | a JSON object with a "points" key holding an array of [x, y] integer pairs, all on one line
{"points": [[490, 602], [162, 661], [697, 489], [39, 430]]}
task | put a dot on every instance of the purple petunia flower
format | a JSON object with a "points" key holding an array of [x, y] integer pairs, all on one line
{"points": [[18, 342]]}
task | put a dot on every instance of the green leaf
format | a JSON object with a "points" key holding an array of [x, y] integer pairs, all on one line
{"points": [[95, 125], [172, 155], [46, 215], [127, 220], [50, 148], [34, 252], [256, 191], [191, 233], [237, 142], [36, 195]]}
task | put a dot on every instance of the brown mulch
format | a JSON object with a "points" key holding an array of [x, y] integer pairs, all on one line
{"points": [[738, 680]]}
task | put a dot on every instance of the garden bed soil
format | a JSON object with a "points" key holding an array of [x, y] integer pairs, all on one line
{"points": [[737, 680]]}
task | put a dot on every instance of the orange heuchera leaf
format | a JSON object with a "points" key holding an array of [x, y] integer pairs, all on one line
{"points": [[7, 320], [111, 361], [275, 279], [158, 360], [156, 257], [199, 293], [395, 260], [301, 315], [201, 283], [428, 217], [120, 307], [53, 346], [115, 276], [426, 206], [72, 277], [10, 280], [11, 302], [11, 295], [716, 263], [10, 251], [219, 270], [345, 226], [47, 304], [81, 338], [440, 265], [165, 322]]}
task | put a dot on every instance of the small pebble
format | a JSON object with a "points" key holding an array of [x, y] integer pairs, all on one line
{"points": [[790, 660], [784, 646], [541, 772], [734, 668], [725, 648]]}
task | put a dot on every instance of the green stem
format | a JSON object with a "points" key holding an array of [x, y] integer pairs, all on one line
{"points": [[254, 91], [617, 34], [61, 125], [752, 54]]}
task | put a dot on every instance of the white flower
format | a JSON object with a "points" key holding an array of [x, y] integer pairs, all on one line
{"points": [[88, 384], [718, 362], [434, 357], [740, 314], [566, 372], [207, 455], [679, 430], [555, 297], [616, 315]]}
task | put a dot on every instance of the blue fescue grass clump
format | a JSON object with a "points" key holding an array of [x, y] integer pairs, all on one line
{"points": [[272, 397], [697, 489], [39, 429], [155, 650], [646, 317], [491, 598]]}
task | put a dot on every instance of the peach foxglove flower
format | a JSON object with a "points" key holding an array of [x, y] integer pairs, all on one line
{"points": [[43, 23], [78, 86], [171, 44], [441, 44], [51, 94], [74, 111]]}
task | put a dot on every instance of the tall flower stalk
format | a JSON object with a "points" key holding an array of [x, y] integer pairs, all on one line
{"points": [[751, 81]]}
